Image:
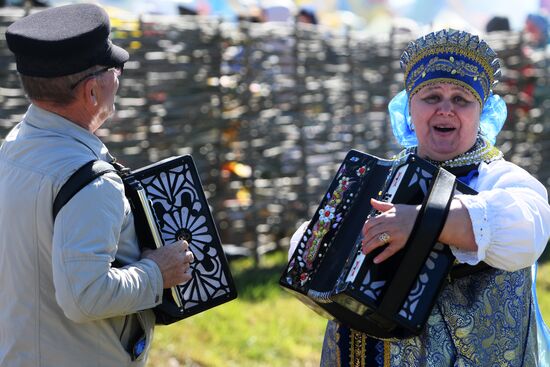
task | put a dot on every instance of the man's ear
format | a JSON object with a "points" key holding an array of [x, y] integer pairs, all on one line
{"points": [[90, 92]]}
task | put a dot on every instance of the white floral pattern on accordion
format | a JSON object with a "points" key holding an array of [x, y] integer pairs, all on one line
{"points": [[181, 214]]}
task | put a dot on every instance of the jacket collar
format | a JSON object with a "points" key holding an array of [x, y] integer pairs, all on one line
{"points": [[50, 123]]}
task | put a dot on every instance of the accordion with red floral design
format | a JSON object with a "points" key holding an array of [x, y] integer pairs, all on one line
{"points": [[328, 271], [168, 200]]}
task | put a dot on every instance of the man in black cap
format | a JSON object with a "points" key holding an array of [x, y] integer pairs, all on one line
{"points": [[62, 303]]}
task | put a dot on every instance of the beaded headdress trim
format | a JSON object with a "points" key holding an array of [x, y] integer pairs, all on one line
{"points": [[450, 56]]}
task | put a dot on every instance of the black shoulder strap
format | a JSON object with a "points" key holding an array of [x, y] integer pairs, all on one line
{"points": [[428, 226], [83, 176]]}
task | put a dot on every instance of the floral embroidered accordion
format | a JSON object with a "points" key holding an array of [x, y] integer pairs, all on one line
{"points": [[169, 204], [328, 271]]}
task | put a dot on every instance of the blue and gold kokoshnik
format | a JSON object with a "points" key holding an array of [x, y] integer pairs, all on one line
{"points": [[451, 56]]}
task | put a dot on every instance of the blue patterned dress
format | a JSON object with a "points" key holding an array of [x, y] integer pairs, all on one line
{"points": [[485, 319]]}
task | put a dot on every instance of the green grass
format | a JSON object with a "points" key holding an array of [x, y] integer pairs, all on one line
{"points": [[265, 326]]}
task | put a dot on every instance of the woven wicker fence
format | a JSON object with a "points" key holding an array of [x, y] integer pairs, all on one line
{"points": [[268, 112]]}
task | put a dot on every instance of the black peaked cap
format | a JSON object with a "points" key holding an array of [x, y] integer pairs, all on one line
{"points": [[63, 40]]}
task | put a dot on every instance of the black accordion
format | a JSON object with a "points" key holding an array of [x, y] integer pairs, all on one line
{"points": [[169, 204], [328, 271]]}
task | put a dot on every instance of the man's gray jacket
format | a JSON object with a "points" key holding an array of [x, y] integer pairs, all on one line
{"points": [[61, 303]]}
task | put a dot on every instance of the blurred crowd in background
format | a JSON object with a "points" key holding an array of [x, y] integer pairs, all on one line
{"points": [[373, 16]]}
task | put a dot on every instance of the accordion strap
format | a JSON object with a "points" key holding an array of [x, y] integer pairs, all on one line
{"points": [[428, 226], [78, 180]]}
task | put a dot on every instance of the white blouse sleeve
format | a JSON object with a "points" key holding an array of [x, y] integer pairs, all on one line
{"points": [[510, 217], [295, 239]]}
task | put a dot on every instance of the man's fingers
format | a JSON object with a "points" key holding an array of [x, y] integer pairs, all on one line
{"points": [[185, 245], [182, 244], [189, 257]]}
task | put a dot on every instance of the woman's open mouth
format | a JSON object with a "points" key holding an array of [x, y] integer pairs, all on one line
{"points": [[444, 129]]}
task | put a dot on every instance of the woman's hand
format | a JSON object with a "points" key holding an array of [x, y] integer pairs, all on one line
{"points": [[391, 228]]}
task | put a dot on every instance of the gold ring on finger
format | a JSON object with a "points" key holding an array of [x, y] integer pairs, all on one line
{"points": [[384, 237]]}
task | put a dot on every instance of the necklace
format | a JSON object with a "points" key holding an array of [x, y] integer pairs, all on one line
{"points": [[482, 151]]}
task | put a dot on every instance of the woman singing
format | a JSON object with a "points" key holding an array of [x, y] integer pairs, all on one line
{"points": [[448, 115]]}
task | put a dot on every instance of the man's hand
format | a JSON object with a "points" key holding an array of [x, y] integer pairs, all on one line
{"points": [[173, 261]]}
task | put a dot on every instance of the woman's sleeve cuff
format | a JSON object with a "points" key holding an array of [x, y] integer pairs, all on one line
{"points": [[477, 210]]}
